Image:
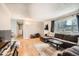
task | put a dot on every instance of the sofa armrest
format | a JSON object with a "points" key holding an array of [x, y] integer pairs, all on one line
{"points": [[70, 51]]}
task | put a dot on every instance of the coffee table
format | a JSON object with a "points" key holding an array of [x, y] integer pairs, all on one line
{"points": [[56, 42]]}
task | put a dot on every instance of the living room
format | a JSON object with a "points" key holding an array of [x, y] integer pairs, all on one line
{"points": [[39, 26]]}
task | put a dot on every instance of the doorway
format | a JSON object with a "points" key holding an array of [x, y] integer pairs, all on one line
{"points": [[17, 28], [20, 29]]}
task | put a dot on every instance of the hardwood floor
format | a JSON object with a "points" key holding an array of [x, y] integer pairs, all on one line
{"points": [[27, 47], [34, 47]]}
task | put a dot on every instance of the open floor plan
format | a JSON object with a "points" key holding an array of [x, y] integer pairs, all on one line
{"points": [[39, 29]]}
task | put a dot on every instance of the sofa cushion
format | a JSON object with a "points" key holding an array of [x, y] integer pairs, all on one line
{"points": [[70, 38], [60, 36]]}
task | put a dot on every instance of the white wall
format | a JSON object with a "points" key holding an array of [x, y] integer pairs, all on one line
{"points": [[4, 18], [32, 28], [14, 27]]}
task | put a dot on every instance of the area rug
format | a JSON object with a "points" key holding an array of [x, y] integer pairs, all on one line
{"points": [[46, 50]]}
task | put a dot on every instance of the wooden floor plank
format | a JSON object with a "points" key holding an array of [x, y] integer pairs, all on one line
{"points": [[27, 47]]}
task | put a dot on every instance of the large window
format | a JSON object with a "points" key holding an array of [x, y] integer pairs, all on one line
{"points": [[66, 25]]}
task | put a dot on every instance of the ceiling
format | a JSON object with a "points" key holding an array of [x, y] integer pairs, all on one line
{"points": [[40, 11]]}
